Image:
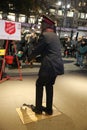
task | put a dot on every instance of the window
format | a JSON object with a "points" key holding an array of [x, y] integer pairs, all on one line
{"points": [[82, 16], [69, 14], [21, 18], [60, 12], [0, 15], [11, 16]]}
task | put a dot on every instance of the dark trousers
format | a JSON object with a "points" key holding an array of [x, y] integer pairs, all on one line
{"points": [[47, 82]]}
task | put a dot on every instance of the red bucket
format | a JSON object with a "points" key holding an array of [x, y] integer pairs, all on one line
{"points": [[9, 59]]}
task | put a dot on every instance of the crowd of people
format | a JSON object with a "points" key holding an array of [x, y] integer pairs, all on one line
{"points": [[77, 48], [29, 40], [24, 47]]}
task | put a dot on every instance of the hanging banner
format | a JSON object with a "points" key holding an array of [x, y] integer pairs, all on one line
{"points": [[10, 30]]}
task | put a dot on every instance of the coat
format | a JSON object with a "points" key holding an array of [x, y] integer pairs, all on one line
{"points": [[83, 49], [50, 50]]}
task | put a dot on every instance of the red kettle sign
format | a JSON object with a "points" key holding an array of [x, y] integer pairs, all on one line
{"points": [[10, 28]]}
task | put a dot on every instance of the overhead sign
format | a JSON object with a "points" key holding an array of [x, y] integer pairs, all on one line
{"points": [[10, 30]]}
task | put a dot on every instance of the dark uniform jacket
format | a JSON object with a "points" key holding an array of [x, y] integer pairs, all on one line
{"points": [[50, 50]]}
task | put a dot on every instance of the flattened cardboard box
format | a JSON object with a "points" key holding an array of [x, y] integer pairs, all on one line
{"points": [[27, 115]]}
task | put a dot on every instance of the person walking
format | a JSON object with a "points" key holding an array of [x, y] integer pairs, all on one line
{"points": [[51, 65]]}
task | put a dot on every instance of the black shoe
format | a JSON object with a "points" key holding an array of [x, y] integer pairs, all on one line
{"points": [[43, 109], [49, 112], [34, 109]]}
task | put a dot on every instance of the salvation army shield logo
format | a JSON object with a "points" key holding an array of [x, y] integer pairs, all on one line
{"points": [[10, 28]]}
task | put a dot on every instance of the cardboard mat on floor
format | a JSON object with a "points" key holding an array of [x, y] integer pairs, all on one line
{"points": [[27, 115]]}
